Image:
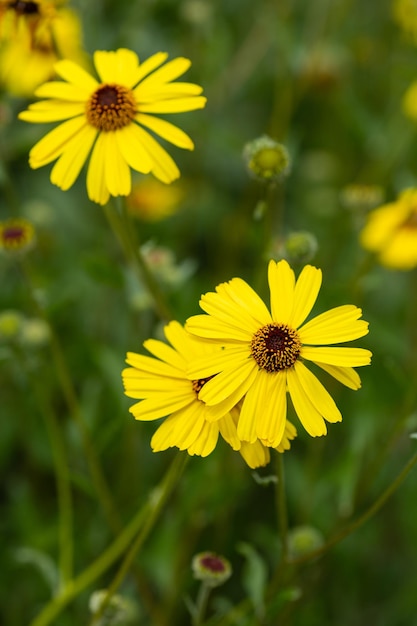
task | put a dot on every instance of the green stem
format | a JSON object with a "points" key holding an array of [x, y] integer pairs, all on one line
{"points": [[357, 523], [126, 234], [63, 487], [282, 507], [142, 523], [201, 604]]}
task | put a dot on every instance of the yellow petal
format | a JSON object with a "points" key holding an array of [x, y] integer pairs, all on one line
{"points": [[342, 357], [211, 328], [69, 164], [73, 73], [130, 143], [306, 291], [150, 64], [180, 430], [230, 385], [174, 105], [255, 454], [155, 408], [281, 281], [317, 394], [165, 353], [345, 375], [166, 130], [170, 71], [163, 166], [54, 143], [166, 91], [153, 366], [118, 179], [96, 182], [334, 326], [306, 411], [64, 91], [228, 431], [206, 441], [51, 111]]}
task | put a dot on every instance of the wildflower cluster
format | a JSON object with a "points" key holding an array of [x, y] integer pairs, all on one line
{"points": [[229, 371]]}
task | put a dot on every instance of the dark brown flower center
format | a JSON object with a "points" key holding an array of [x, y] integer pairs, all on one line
{"points": [[275, 347], [199, 384], [111, 107], [24, 8], [13, 234], [213, 563]]}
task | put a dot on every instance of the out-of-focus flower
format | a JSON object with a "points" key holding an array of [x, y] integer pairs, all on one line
{"points": [[152, 201], [111, 117], [211, 568], [391, 232], [17, 236], [266, 159], [163, 389], [263, 353], [358, 197], [405, 14], [298, 247], [10, 324], [323, 67], [33, 36], [303, 540], [164, 266], [34, 332], [118, 612]]}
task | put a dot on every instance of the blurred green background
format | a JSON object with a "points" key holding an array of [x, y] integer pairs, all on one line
{"points": [[327, 80]]}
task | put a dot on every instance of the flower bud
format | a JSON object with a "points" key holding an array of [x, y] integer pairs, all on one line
{"points": [[211, 568], [17, 236], [266, 159], [303, 540]]}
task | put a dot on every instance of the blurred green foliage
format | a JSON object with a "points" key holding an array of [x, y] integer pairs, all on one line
{"points": [[327, 80]]}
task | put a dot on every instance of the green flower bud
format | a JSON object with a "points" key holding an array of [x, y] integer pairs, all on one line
{"points": [[303, 540], [211, 568], [266, 159], [300, 247], [10, 324]]}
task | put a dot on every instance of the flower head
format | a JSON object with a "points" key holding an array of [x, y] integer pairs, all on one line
{"points": [[112, 117], [266, 159], [164, 390], [391, 232], [211, 568], [152, 201], [265, 352], [17, 235], [34, 35]]}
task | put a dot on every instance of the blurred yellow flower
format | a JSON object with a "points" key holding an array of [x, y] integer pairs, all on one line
{"points": [[17, 235], [33, 36], [111, 118], [161, 384], [405, 14], [264, 353], [151, 200], [391, 232]]}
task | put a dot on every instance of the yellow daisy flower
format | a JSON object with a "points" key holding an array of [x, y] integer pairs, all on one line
{"points": [[161, 384], [391, 232], [112, 117], [264, 353], [35, 35]]}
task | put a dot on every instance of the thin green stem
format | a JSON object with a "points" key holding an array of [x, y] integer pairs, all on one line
{"points": [[68, 392], [282, 507], [127, 236], [360, 521], [63, 486], [201, 604], [142, 523]]}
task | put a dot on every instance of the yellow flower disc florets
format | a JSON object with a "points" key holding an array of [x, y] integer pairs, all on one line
{"points": [[275, 347], [111, 107]]}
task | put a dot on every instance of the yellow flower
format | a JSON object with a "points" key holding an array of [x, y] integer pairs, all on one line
{"points": [[152, 201], [391, 232], [17, 235], [164, 390], [34, 35], [111, 117], [405, 14], [264, 353]]}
